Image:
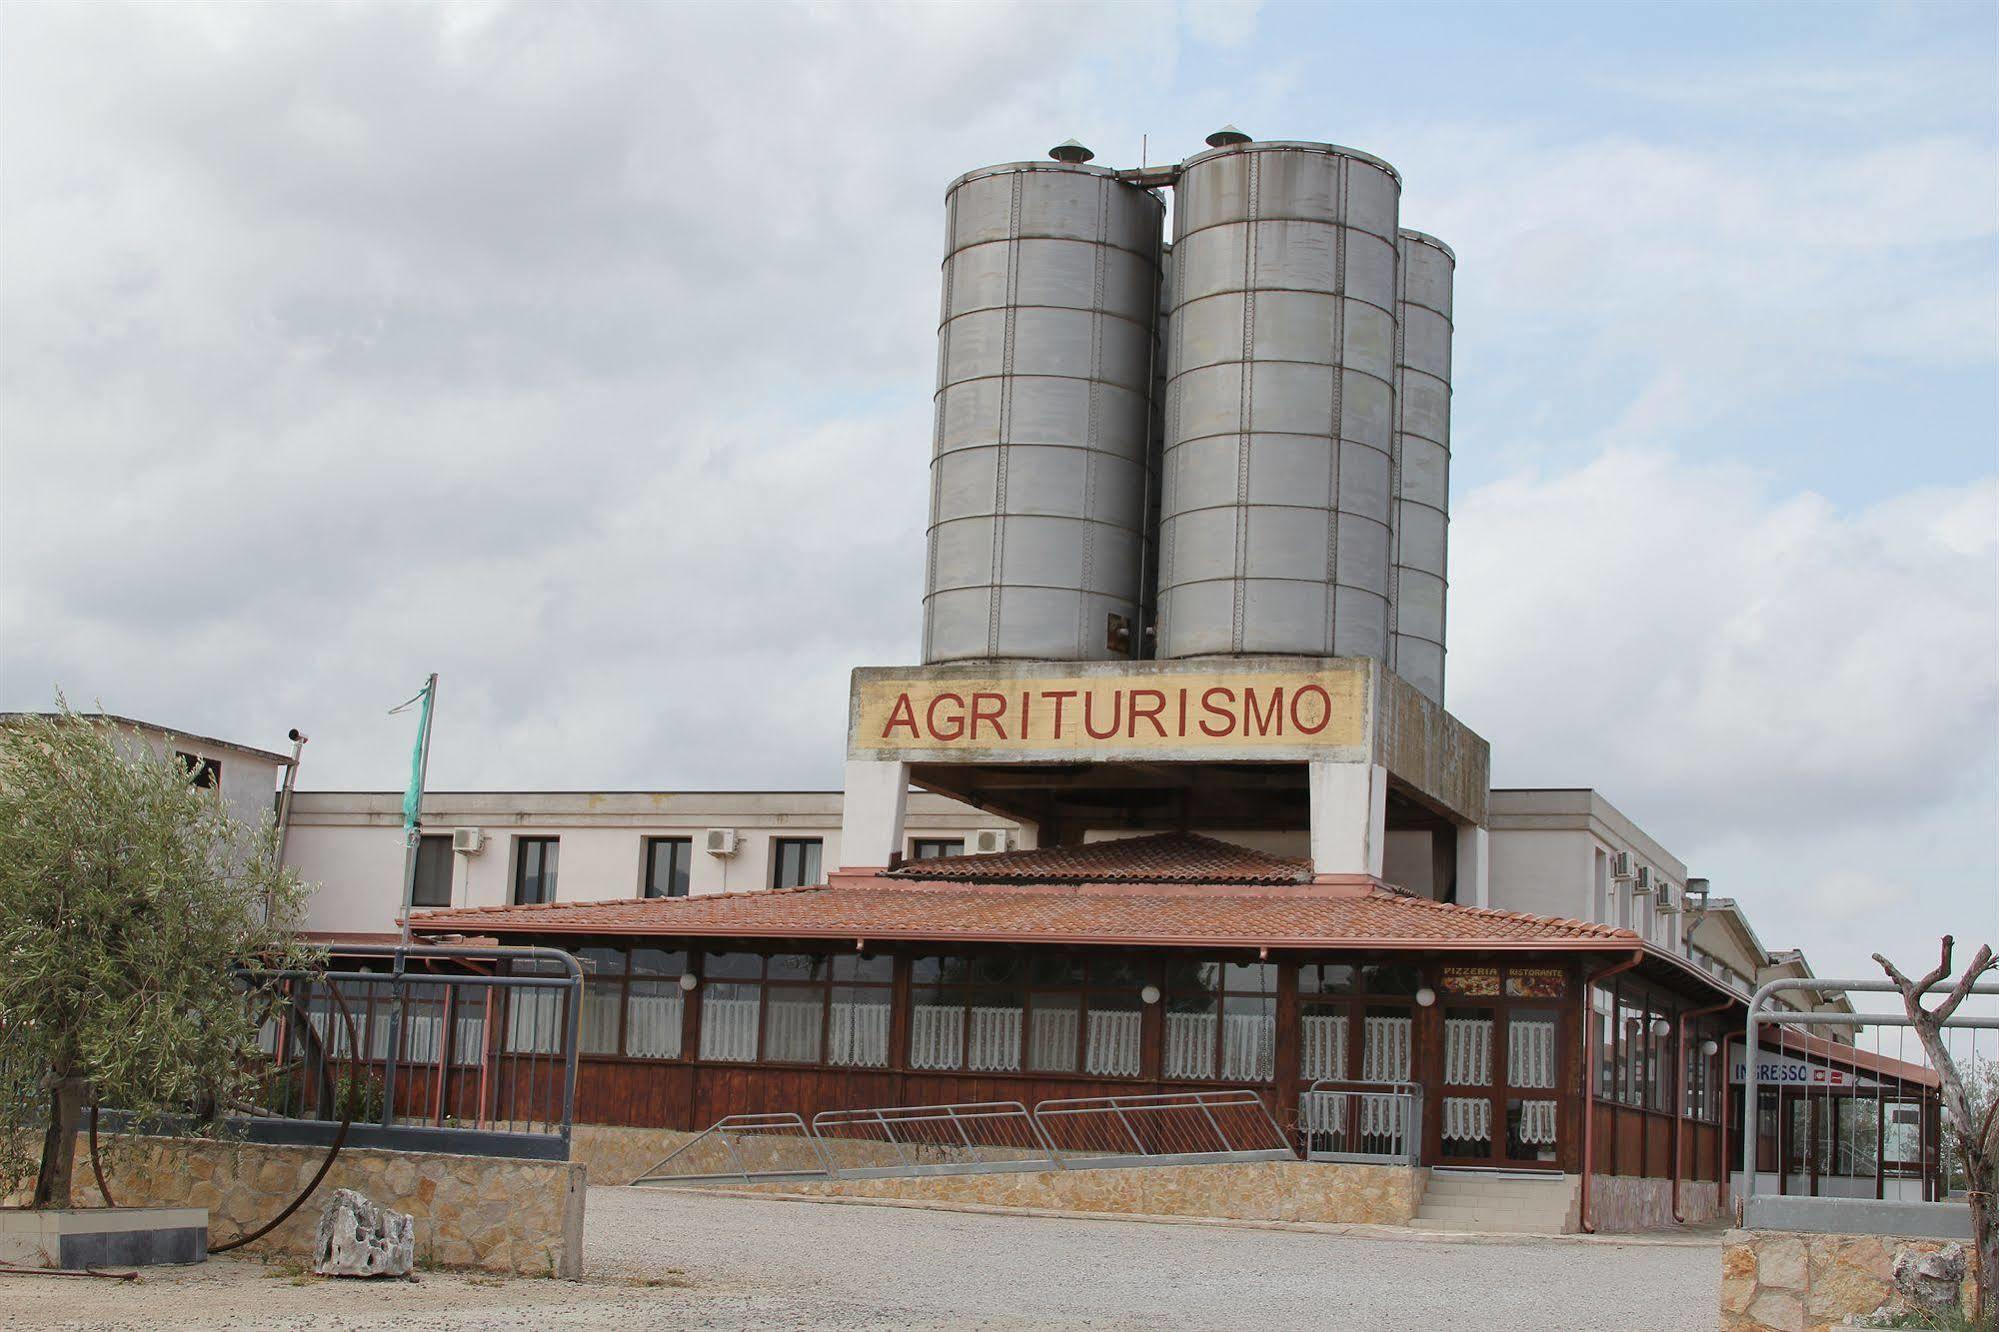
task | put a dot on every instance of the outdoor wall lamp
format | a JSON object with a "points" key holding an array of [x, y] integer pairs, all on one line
{"points": [[1708, 1048], [1661, 1027], [1150, 994], [688, 980], [1426, 996]]}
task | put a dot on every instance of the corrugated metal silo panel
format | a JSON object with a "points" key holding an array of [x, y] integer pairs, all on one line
{"points": [[1045, 398], [1423, 462], [1280, 404]]}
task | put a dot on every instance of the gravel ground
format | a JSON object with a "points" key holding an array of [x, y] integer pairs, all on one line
{"points": [[683, 1260]]}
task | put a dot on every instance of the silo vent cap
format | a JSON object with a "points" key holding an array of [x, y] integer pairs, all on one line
{"points": [[1227, 136], [1070, 151]]}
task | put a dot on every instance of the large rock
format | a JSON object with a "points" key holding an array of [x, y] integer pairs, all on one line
{"points": [[1931, 1281], [359, 1239]]}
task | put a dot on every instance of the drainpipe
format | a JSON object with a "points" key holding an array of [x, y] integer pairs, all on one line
{"points": [[1583, 1220], [1680, 1117], [1722, 1170], [298, 739]]}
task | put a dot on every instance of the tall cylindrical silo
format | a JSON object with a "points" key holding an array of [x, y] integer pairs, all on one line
{"points": [[1274, 531], [1045, 364], [1423, 459]]}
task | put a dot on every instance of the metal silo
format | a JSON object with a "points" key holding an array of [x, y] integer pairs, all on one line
{"points": [[1274, 531], [1423, 459], [1044, 399]]}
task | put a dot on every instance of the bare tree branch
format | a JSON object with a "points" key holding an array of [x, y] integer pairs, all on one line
{"points": [[1980, 964]]}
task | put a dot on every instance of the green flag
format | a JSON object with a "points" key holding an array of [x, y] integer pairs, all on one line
{"points": [[413, 797]]}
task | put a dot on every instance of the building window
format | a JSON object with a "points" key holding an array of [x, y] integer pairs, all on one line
{"points": [[794, 862], [935, 848], [205, 773], [433, 871], [632, 1002], [1355, 1023], [1221, 1021], [796, 1008], [534, 870], [1056, 1014], [668, 861]]}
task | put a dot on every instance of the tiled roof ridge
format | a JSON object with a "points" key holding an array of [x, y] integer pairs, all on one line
{"points": [[1121, 859], [1529, 917]]}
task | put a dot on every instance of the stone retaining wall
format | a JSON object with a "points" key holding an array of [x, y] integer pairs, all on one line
{"points": [[488, 1213], [1787, 1281]]}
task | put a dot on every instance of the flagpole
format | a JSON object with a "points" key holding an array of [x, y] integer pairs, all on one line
{"points": [[414, 832]]}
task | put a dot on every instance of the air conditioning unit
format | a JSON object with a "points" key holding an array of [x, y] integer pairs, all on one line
{"points": [[1643, 881], [1621, 866], [989, 841], [468, 841], [719, 841], [1666, 906]]}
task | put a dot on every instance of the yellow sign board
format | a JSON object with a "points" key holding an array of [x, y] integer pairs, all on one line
{"points": [[1095, 712]]}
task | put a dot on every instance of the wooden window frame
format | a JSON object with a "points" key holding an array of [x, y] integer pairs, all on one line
{"points": [[683, 849], [825, 984], [543, 874], [965, 992], [779, 845], [450, 866], [917, 845]]}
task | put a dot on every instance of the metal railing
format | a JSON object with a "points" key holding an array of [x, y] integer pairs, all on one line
{"points": [[980, 1137], [1180, 1128], [467, 1050], [750, 1148], [1370, 1122], [986, 1137], [1907, 1154]]}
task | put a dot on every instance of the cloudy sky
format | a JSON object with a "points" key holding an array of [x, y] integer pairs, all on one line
{"points": [[582, 353]]}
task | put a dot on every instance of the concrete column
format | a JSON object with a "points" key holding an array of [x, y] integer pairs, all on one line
{"points": [[1349, 817], [871, 815], [1474, 866]]}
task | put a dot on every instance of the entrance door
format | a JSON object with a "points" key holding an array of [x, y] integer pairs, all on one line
{"points": [[1499, 1102]]}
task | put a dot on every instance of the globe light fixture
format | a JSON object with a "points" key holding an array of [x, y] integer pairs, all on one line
{"points": [[1426, 996], [688, 980]]}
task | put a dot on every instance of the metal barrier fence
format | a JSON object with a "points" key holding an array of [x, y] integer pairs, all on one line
{"points": [[1170, 1128], [1368, 1122], [1858, 1119], [934, 1139], [1186, 1128], [467, 1050]]}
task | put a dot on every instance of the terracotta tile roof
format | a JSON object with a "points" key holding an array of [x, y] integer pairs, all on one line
{"points": [[1161, 858], [1210, 915]]}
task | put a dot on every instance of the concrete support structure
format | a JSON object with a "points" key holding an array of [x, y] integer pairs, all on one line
{"points": [[1474, 866], [871, 817], [1349, 817]]}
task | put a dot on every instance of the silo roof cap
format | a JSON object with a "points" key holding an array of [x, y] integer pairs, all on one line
{"points": [[1227, 136], [1070, 151]]}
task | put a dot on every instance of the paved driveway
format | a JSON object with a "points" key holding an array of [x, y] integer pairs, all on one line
{"points": [[686, 1261], [845, 1266]]}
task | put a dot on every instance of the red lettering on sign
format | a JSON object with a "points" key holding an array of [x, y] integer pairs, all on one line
{"points": [[1261, 720], [1208, 706], [937, 732], [902, 715], [1183, 713], [1026, 716], [1089, 712], [982, 713], [1150, 714], [1325, 710], [1060, 696]]}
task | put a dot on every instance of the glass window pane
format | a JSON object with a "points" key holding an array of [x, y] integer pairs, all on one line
{"points": [[732, 966], [1119, 972], [1057, 969], [936, 1027], [1115, 1036], [793, 1018], [658, 961], [997, 969], [924, 970], [601, 961], [1253, 977], [876, 967], [1532, 1052], [1385, 1043], [993, 1035], [1322, 1039], [1054, 1032], [598, 1032], [1192, 1023], [1249, 1038], [668, 866], [797, 967], [433, 871], [729, 1020], [857, 1027], [653, 1021]]}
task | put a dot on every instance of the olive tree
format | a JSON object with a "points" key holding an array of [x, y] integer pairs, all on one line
{"points": [[131, 903]]}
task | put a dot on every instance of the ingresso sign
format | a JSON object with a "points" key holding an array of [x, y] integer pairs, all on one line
{"points": [[1790, 1071], [1151, 710]]}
